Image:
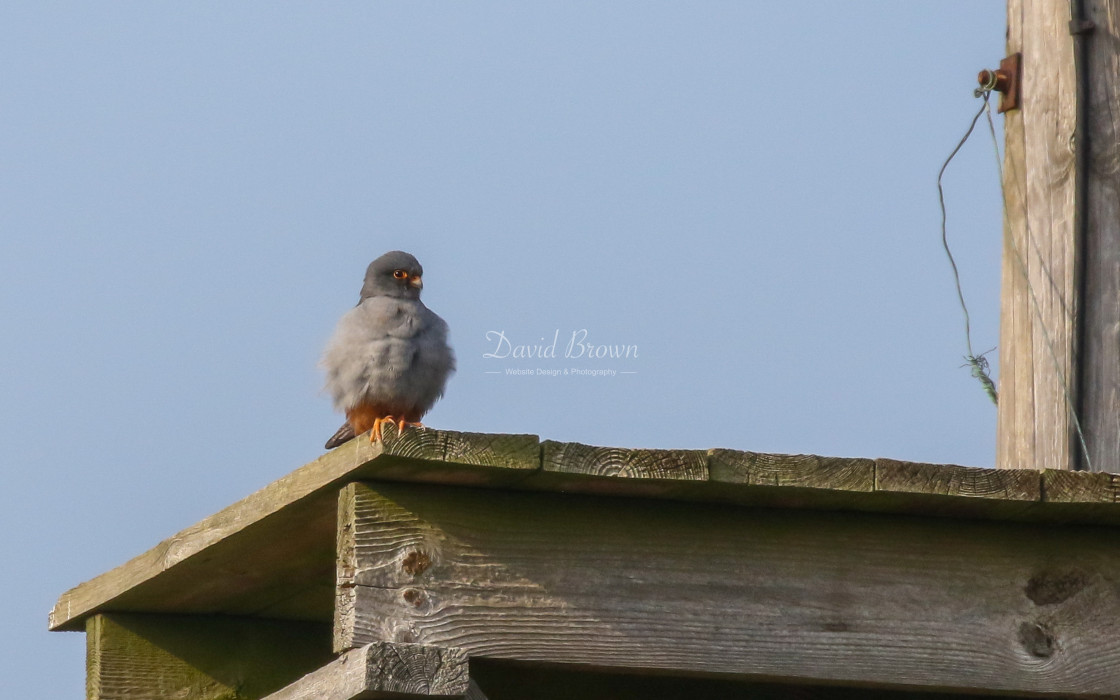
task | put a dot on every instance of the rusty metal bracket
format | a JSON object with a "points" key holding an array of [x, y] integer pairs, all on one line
{"points": [[1005, 80], [1082, 26]]}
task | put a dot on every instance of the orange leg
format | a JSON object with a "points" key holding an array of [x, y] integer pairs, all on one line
{"points": [[365, 417], [402, 424], [375, 432]]}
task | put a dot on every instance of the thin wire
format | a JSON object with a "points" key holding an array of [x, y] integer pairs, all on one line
{"points": [[977, 363], [1030, 289]]}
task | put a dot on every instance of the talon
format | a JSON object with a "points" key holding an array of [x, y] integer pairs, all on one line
{"points": [[375, 433], [402, 424]]}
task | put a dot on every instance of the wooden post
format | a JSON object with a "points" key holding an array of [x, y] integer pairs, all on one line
{"points": [[198, 657], [1100, 356], [1060, 323]]}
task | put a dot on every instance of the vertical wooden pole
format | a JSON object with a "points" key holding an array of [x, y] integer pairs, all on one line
{"points": [[1059, 351], [1037, 334], [1100, 353]]}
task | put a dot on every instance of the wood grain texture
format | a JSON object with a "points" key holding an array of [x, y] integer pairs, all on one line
{"points": [[1037, 348], [506, 680], [948, 490], [791, 481], [1100, 356], [951, 480], [933, 604], [241, 574], [805, 471], [455, 449], [574, 458], [383, 670], [1079, 488], [576, 468], [230, 563], [162, 657]]}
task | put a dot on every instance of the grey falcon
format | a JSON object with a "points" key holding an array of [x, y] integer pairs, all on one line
{"points": [[389, 358]]}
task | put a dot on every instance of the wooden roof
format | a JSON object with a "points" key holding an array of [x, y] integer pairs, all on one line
{"points": [[225, 564]]}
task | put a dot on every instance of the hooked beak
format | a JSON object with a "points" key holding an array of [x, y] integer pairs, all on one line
{"points": [[415, 281]]}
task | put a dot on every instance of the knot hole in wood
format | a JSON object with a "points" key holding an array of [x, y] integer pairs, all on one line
{"points": [[1053, 586], [1037, 640], [416, 562]]}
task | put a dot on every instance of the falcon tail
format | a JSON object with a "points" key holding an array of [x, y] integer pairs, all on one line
{"points": [[343, 434]]}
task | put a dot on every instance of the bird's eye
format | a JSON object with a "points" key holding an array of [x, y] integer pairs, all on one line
{"points": [[400, 274]]}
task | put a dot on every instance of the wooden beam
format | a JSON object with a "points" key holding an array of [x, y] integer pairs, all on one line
{"points": [[570, 466], [505, 680], [384, 670], [1099, 357], [876, 486], [244, 573], [574, 458], [1009, 492], [230, 563], [1059, 351], [801, 596], [1036, 358], [804, 471], [198, 657]]}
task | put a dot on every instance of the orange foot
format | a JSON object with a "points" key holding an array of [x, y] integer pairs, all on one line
{"points": [[401, 424], [375, 432]]}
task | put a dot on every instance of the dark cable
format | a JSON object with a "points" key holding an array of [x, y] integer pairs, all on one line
{"points": [[978, 363]]}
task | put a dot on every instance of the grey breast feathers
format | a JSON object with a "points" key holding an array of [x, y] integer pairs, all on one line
{"points": [[389, 351]]}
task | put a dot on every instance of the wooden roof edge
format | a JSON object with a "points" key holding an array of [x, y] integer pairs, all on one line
{"points": [[419, 455], [718, 475]]}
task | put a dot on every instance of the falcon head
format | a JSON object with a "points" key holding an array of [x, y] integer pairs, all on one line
{"points": [[394, 274]]}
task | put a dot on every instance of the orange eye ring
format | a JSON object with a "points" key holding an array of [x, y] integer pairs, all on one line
{"points": [[400, 274]]}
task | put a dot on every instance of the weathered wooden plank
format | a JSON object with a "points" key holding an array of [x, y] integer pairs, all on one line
{"points": [[819, 597], [574, 458], [569, 466], [804, 471], [505, 680], [242, 575], [383, 670], [1079, 496], [951, 480], [1060, 486], [790, 481], [1039, 297], [198, 657], [953, 491], [1100, 354], [456, 450]]}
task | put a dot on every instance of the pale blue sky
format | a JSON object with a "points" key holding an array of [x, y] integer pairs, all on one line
{"points": [[743, 190]]}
